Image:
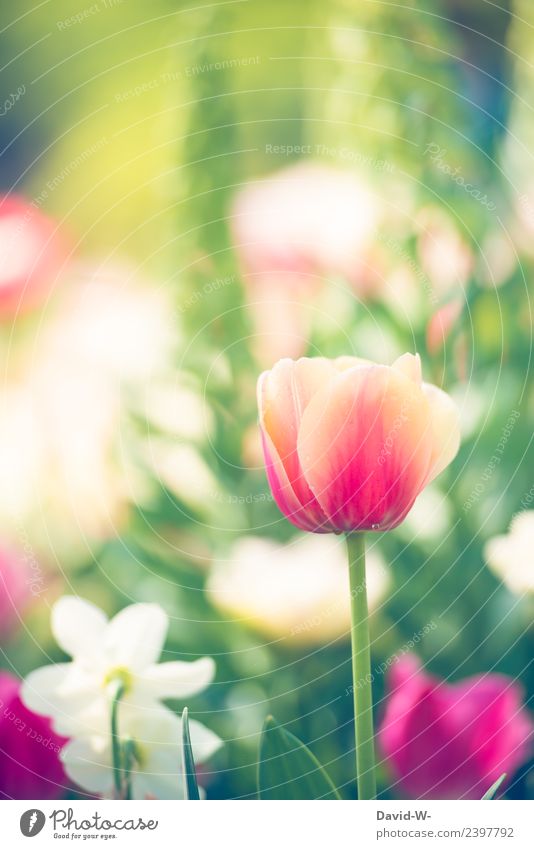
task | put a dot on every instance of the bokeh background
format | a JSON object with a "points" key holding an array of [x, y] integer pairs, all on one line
{"points": [[130, 464]]}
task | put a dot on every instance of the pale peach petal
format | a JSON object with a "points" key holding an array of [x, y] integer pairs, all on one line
{"points": [[345, 362], [410, 366], [284, 393], [445, 428], [365, 444]]}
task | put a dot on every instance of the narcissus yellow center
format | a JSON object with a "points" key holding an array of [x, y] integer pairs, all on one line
{"points": [[119, 675]]}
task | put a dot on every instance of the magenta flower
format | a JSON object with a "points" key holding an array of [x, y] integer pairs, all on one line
{"points": [[29, 751], [452, 741]]}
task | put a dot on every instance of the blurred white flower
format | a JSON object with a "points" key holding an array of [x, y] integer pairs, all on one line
{"points": [[156, 769], [296, 591], [66, 441], [182, 470], [308, 219], [175, 406], [511, 555], [77, 695], [292, 230]]}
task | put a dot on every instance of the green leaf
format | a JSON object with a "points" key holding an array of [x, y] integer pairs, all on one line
{"points": [[288, 770], [490, 794], [190, 773]]}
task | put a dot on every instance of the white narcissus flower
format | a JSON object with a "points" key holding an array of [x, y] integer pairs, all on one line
{"points": [[77, 696], [511, 556], [157, 768], [296, 591]]}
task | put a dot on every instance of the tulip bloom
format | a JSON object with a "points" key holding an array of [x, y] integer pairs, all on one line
{"points": [[29, 750], [349, 444], [32, 254], [452, 741]]}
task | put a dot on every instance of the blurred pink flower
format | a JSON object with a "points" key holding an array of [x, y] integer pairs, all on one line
{"points": [[29, 751], [15, 583], [452, 741], [33, 253], [444, 255], [441, 323], [293, 229]]}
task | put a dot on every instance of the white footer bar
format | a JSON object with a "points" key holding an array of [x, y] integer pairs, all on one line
{"points": [[268, 825]]}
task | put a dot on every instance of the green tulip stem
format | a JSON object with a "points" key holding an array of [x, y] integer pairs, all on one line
{"points": [[361, 669]]}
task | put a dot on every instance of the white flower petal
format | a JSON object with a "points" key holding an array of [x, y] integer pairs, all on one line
{"points": [[88, 764], [153, 726], [77, 626], [203, 742], [59, 691], [176, 679], [134, 638]]}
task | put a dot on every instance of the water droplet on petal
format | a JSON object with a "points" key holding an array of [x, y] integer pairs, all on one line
{"points": [[375, 527]]}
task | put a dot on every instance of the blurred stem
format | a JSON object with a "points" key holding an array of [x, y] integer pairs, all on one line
{"points": [[361, 669], [117, 689], [128, 758]]}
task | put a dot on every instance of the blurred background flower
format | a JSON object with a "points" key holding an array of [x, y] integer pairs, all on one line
{"points": [[30, 766], [33, 255], [452, 741], [16, 582], [296, 591], [511, 555]]}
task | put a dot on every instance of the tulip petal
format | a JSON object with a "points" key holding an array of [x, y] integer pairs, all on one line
{"points": [[134, 638], [285, 392], [364, 445], [284, 495], [445, 428], [77, 626], [176, 679], [410, 366]]}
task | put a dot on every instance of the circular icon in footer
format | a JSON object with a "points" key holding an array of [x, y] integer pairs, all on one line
{"points": [[32, 822]]}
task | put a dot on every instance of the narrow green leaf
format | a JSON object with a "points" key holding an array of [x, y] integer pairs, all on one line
{"points": [[190, 773], [288, 770], [490, 794]]}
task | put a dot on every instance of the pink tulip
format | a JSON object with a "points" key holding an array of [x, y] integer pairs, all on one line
{"points": [[452, 741], [15, 581], [349, 444], [32, 255], [29, 751]]}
